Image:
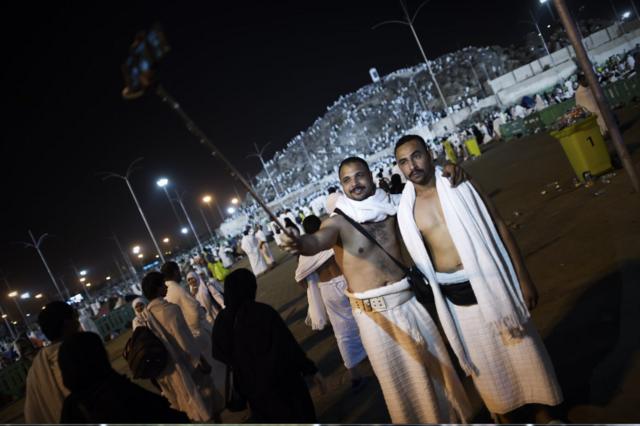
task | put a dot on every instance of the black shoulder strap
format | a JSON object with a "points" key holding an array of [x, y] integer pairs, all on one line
{"points": [[366, 233]]}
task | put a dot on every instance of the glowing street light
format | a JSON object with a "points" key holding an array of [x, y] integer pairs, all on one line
{"points": [[25, 296], [166, 240], [108, 278], [626, 15], [39, 296], [4, 316], [83, 273], [162, 182], [88, 284], [83, 279], [135, 249], [140, 256], [207, 199], [235, 201], [184, 231], [13, 294], [231, 210]]}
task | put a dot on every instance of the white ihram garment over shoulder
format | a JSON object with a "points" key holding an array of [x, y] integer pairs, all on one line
{"points": [[45, 391], [495, 340]]}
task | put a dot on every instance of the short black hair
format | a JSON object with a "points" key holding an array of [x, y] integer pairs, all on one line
{"points": [[170, 270], [350, 160], [53, 317], [151, 283], [311, 224], [332, 189], [408, 138]]}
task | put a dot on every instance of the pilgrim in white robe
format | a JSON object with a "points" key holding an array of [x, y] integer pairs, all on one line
{"points": [[225, 256], [45, 391], [265, 251], [186, 388], [249, 245]]}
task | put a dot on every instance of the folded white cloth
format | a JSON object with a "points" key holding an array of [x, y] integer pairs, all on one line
{"points": [[317, 313], [309, 264], [376, 208], [483, 254]]}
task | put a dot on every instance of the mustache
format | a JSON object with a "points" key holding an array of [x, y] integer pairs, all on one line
{"points": [[355, 188], [415, 171]]}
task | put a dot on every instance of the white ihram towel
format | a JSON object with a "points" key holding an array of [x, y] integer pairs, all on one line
{"points": [[376, 208], [307, 265], [483, 255]]}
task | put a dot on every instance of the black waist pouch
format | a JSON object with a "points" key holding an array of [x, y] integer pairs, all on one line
{"points": [[460, 294]]}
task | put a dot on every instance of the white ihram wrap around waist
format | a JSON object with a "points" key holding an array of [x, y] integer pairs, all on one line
{"points": [[409, 358]]}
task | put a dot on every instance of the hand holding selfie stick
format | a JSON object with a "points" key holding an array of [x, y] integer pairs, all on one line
{"points": [[139, 73]]}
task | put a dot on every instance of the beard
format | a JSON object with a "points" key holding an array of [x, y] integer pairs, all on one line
{"points": [[361, 192]]}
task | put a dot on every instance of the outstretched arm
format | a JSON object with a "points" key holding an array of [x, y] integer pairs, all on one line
{"points": [[529, 291], [324, 239]]}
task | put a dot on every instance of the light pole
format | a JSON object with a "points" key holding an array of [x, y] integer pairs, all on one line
{"points": [[409, 22], [125, 257], [207, 200], [125, 178], [258, 154], [7, 324], [206, 222], [36, 245], [162, 183]]}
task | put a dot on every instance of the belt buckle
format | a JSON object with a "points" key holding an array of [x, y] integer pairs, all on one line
{"points": [[367, 305], [377, 303]]}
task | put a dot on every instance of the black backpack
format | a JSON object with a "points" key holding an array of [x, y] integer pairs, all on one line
{"points": [[146, 354]]}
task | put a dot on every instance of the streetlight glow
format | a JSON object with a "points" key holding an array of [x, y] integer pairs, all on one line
{"points": [[83, 279], [184, 231], [166, 240], [25, 296], [4, 316], [136, 249], [140, 256], [13, 294], [207, 199], [543, 1], [626, 15], [231, 210], [234, 201], [39, 296], [83, 273], [88, 284], [162, 182], [108, 277]]}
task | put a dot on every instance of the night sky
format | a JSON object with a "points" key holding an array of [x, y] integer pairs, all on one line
{"points": [[247, 72]]}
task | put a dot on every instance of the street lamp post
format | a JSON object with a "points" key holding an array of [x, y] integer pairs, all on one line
{"points": [[163, 183], [258, 154], [206, 222], [207, 200], [409, 22], [36, 245], [125, 257], [125, 178]]}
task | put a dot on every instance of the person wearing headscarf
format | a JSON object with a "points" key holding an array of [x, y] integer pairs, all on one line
{"points": [[139, 304], [204, 294], [268, 364], [99, 394]]}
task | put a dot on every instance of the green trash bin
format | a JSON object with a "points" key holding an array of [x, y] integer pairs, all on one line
{"points": [[584, 146]]}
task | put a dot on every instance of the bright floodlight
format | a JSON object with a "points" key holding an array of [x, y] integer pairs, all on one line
{"points": [[231, 210], [28, 315], [135, 249], [26, 295], [234, 201], [108, 277], [39, 296], [184, 231], [166, 240], [162, 182], [83, 272], [140, 256], [206, 199], [13, 294], [626, 15], [4, 316], [88, 284], [543, 1], [83, 279]]}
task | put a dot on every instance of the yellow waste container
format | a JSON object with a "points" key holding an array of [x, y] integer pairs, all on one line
{"points": [[450, 152], [472, 147], [585, 148]]}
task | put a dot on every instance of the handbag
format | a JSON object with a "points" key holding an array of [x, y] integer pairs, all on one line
{"points": [[418, 282]]}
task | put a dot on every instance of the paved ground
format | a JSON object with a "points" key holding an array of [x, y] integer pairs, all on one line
{"points": [[582, 248]]}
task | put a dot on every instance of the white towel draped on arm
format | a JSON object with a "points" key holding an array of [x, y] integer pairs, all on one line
{"points": [[483, 254]]}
